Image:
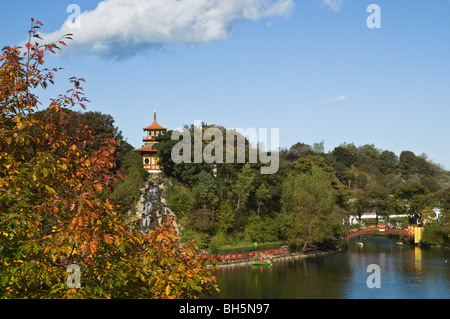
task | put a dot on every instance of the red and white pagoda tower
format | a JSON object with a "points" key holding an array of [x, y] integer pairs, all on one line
{"points": [[148, 151]]}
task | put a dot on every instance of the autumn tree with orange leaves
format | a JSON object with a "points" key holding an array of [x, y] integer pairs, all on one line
{"points": [[52, 213]]}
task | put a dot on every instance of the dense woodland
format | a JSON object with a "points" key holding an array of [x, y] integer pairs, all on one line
{"points": [[305, 202], [303, 205]]}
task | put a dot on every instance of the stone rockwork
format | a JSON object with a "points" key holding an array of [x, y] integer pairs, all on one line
{"points": [[151, 209]]}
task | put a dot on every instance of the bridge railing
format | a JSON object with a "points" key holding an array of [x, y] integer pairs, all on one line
{"points": [[380, 226]]}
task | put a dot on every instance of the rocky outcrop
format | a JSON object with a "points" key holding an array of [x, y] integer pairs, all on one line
{"points": [[151, 208]]}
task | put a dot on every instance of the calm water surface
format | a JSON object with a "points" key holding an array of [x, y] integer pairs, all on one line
{"points": [[406, 272]]}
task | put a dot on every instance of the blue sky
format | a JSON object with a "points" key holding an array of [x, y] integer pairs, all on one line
{"points": [[311, 68]]}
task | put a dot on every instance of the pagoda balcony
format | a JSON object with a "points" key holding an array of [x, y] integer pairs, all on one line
{"points": [[147, 138], [152, 167]]}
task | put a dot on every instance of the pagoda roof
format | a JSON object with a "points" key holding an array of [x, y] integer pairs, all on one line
{"points": [[146, 148], [154, 126]]}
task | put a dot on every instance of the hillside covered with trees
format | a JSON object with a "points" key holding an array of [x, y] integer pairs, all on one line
{"points": [[305, 203]]}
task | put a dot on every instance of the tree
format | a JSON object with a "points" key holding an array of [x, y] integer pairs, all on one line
{"points": [[318, 148], [186, 172], [426, 216], [436, 234], [446, 199], [224, 216], [360, 203], [307, 209], [410, 190], [180, 199], [127, 161], [343, 156], [365, 155], [411, 196], [409, 163], [312, 163], [387, 162], [307, 163], [52, 209], [202, 219], [261, 229], [243, 186], [406, 161], [262, 195], [205, 191], [127, 191], [299, 150], [101, 126], [378, 199]]}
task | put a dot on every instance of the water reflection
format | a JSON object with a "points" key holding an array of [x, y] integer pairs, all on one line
{"points": [[406, 272], [418, 259]]}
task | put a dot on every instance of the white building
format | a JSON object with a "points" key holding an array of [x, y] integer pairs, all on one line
{"points": [[354, 219]]}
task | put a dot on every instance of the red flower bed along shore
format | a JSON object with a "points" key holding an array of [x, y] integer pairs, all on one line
{"points": [[243, 255]]}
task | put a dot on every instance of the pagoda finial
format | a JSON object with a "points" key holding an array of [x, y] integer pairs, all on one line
{"points": [[154, 116]]}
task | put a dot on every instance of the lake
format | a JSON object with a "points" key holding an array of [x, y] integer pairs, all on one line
{"points": [[405, 272]]}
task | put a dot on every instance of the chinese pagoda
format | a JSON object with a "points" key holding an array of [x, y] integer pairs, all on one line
{"points": [[148, 151]]}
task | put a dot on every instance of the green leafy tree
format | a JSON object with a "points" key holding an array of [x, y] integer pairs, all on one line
{"points": [[180, 199], [101, 126], [360, 203], [127, 191], [224, 215], [262, 229], [202, 219], [186, 172], [318, 148], [205, 191], [410, 198], [313, 163], [243, 186], [307, 209], [437, 233], [410, 190], [262, 195], [342, 157], [427, 216], [299, 150], [387, 162], [378, 198], [409, 164]]}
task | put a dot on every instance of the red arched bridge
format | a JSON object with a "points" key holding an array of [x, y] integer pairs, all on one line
{"points": [[414, 233]]}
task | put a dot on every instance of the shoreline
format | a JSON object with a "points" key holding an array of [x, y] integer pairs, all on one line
{"points": [[281, 257]]}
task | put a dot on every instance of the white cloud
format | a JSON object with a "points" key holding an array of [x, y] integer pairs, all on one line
{"points": [[335, 101], [334, 5], [118, 27]]}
